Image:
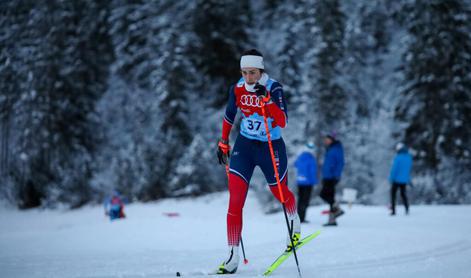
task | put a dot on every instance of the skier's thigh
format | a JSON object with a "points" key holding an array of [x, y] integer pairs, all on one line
{"points": [[266, 165], [241, 162]]}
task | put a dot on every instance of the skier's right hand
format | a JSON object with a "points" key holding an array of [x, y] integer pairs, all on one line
{"points": [[260, 90], [223, 151]]}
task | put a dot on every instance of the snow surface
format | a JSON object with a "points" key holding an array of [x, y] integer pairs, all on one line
{"points": [[434, 241]]}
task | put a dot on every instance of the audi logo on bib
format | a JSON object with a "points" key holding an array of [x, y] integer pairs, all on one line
{"points": [[250, 100]]}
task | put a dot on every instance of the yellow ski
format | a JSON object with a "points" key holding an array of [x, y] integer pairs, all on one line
{"points": [[286, 254]]}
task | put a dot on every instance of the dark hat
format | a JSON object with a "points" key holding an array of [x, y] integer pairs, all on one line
{"points": [[331, 134]]}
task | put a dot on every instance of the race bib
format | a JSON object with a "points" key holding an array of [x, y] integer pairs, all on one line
{"points": [[253, 127]]}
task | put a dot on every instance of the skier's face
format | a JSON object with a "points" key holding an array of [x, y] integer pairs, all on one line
{"points": [[327, 141], [251, 75]]}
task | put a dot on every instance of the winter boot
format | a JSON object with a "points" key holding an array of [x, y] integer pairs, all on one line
{"points": [[331, 221], [337, 211], [295, 225], [230, 265]]}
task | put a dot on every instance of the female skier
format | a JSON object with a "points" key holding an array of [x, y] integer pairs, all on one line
{"points": [[253, 90]]}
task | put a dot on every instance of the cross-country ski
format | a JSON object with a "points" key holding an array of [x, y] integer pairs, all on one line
{"points": [[285, 255]]}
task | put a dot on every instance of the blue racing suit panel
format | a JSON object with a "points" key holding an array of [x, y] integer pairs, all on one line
{"points": [[231, 108], [248, 153], [276, 93]]}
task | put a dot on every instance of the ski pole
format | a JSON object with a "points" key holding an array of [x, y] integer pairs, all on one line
{"points": [[241, 241], [277, 177], [243, 250]]}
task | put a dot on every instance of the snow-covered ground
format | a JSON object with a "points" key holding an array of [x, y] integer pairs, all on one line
{"points": [[434, 241]]}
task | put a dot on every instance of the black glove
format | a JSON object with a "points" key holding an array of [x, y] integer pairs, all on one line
{"points": [[260, 90], [223, 151]]}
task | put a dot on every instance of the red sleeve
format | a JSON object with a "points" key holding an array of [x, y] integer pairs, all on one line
{"points": [[277, 114], [226, 129]]}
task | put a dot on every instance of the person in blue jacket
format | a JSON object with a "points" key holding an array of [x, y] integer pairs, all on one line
{"points": [[306, 178], [114, 206], [400, 176], [331, 174]]}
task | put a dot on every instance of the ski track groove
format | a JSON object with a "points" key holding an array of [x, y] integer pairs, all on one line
{"points": [[440, 251]]}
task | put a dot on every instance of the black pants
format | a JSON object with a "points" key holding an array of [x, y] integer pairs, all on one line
{"points": [[304, 196], [328, 191], [402, 187]]}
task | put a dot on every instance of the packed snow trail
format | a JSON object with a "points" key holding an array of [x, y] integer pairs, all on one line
{"points": [[433, 241]]}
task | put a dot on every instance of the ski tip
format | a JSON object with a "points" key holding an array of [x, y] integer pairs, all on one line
{"points": [[178, 274], [246, 261]]}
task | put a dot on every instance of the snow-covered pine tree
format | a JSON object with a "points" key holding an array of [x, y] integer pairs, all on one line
{"points": [[19, 49], [161, 77], [330, 96], [80, 72], [369, 69], [12, 24], [222, 31], [436, 96], [290, 47], [177, 99], [60, 78], [219, 30], [128, 158], [154, 44], [287, 36]]}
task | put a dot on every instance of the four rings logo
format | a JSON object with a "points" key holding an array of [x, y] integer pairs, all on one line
{"points": [[250, 100]]}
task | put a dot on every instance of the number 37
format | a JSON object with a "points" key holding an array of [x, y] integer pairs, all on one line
{"points": [[253, 124]]}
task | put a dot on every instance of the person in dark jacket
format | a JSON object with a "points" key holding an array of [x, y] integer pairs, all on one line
{"points": [[331, 174], [400, 176], [306, 178]]}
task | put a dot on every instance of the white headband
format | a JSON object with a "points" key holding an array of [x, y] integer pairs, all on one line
{"points": [[251, 61]]}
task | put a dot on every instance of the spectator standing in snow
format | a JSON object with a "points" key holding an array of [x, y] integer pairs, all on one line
{"points": [[114, 206], [331, 173], [400, 176], [306, 178]]}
